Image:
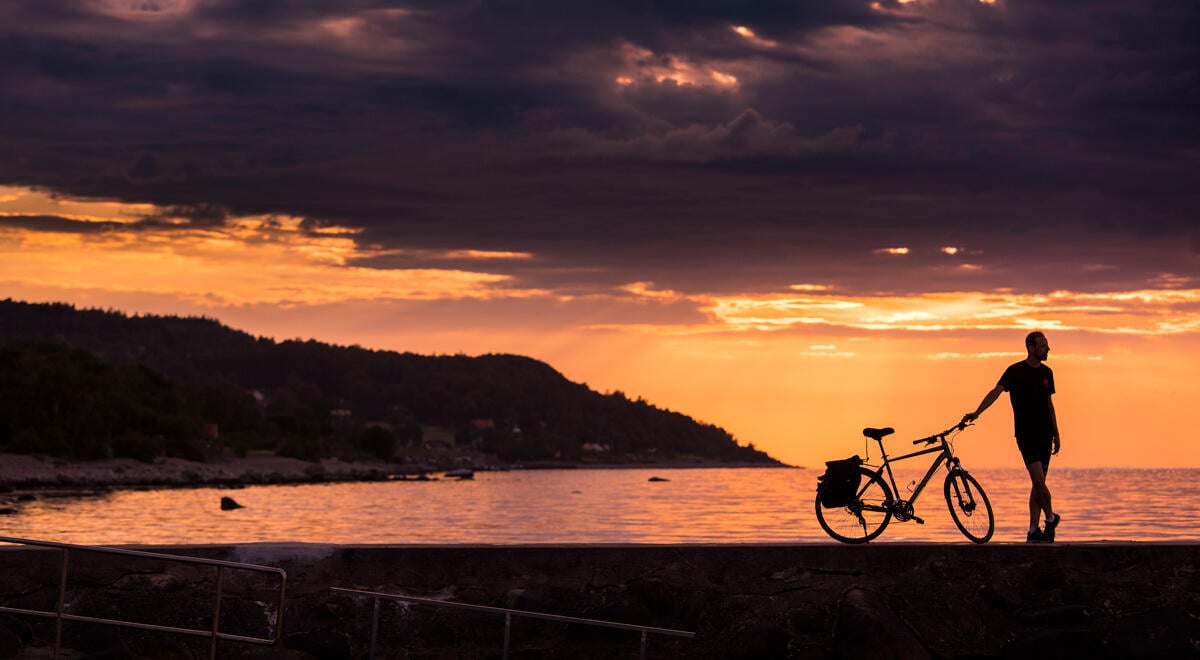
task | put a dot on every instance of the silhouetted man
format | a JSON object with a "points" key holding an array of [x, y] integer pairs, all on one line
{"points": [[1029, 384]]}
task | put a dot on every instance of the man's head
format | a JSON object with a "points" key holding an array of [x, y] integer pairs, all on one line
{"points": [[1036, 344]]}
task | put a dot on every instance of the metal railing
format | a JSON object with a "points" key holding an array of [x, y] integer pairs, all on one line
{"points": [[214, 633], [508, 615]]}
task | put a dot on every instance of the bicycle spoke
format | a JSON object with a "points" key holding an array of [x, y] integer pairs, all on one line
{"points": [[864, 518]]}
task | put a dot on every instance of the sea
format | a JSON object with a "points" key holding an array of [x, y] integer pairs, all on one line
{"points": [[600, 506]]}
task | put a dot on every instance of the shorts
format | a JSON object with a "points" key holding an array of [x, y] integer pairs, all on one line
{"points": [[1035, 451]]}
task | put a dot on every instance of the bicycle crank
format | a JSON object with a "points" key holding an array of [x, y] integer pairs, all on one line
{"points": [[902, 510]]}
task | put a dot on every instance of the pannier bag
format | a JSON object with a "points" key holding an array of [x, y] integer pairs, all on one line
{"points": [[840, 482]]}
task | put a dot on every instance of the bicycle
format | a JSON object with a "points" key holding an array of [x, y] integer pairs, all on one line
{"points": [[871, 509]]}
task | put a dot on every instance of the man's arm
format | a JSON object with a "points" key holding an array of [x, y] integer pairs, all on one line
{"points": [[1053, 429], [988, 400]]}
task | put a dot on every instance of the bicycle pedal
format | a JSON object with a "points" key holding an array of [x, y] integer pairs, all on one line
{"points": [[917, 520]]}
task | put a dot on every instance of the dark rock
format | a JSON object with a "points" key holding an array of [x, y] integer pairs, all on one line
{"points": [[1056, 644], [228, 504], [161, 649], [657, 479], [438, 632], [315, 471], [22, 629], [673, 605], [274, 654], [764, 642], [632, 613], [1058, 616], [7, 511], [1155, 633], [809, 618], [807, 651], [525, 599], [10, 643], [324, 644], [328, 611], [98, 641], [150, 582], [1045, 577], [868, 628], [1001, 597]]}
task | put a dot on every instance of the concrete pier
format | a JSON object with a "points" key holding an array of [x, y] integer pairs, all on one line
{"points": [[1115, 600]]}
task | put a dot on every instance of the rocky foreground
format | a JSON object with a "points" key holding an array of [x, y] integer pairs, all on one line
{"points": [[819, 601]]}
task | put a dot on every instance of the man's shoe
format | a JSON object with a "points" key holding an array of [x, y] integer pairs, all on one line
{"points": [[1036, 536], [1051, 525]]}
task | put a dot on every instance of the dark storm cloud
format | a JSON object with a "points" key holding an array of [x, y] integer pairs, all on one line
{"points": [[1025, 130], [177, 219], [53, 224]]}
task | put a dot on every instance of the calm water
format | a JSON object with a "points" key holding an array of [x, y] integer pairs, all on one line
{"points": [[716, 505]]}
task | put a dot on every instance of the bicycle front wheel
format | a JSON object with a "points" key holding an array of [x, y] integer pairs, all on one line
{"points": [[864, 517], [969, 506]]}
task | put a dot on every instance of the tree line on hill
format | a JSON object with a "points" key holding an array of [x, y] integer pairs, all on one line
{"points": [[91, 383]]}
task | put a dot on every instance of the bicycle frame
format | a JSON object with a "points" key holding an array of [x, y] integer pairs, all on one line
{"points": [[945, 456]]}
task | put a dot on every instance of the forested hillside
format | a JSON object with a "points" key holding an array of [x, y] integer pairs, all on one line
{"points": [[92, 383]]}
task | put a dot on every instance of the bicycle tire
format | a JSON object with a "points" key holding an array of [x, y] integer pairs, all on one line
{"points": [[964, 497], [853, 523]]}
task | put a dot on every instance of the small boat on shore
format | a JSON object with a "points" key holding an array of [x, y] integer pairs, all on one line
{"points": [[461, 473]]}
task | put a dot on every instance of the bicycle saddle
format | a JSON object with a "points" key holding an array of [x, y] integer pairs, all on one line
{"points": [[878, 434]]}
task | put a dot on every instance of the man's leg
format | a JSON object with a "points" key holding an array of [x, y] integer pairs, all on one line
{"points": [[1039, 494]]}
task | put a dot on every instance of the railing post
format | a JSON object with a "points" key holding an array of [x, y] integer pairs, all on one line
{"points": [[216, 623], [374, 627], [507, 632], [643, 653], [62, 602]]}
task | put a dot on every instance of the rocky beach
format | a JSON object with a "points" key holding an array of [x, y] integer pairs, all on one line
{"points": [[33, 473], [20, 472]]}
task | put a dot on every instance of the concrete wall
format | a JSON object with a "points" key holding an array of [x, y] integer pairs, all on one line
{"points": [[743, 601]]}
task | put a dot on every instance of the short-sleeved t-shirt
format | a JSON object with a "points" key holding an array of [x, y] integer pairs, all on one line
{"points": [[1029, 389]]}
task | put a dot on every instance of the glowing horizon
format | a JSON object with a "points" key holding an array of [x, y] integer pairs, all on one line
{"points": [[248, 266]]}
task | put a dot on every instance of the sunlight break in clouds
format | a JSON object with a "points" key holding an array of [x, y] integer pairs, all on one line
{"points": [[640, 64], [749, 35], [1146, 313], [241, 261]]}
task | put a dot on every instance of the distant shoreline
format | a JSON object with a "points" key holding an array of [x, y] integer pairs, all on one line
{"points": [[20, 472]]}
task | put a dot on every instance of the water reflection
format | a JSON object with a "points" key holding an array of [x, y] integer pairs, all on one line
{"points": [[597, 506]]}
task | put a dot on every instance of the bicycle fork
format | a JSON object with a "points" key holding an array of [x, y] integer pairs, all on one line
{"points": [[962, 492]]}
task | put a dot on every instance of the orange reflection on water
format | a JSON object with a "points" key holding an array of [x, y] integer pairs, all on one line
{"points": [[703, 505]]}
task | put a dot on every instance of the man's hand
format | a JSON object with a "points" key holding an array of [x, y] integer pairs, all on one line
{"points": [[1054, 444], [969, 417]]}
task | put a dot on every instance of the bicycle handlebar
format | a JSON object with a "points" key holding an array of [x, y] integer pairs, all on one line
{"points": [[939, 436]]}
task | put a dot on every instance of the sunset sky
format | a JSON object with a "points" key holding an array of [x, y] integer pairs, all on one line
{"points": [[789, 219]]}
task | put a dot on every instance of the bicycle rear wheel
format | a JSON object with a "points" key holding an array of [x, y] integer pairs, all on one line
{"points": [[864, 517], [969, 506]]}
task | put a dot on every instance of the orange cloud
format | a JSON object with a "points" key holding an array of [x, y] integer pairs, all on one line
{"points": [[245, 260]]}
